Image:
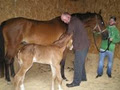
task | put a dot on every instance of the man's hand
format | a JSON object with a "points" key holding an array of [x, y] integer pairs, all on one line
{"points": [[111, 39]]}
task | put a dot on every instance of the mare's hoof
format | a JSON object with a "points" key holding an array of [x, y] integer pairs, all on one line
{"points": [[8, 80], [8, 83]]}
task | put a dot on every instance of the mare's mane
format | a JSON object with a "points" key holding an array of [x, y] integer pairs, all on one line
{"points": [[87, 15]]}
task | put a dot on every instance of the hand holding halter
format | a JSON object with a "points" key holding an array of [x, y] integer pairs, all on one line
{"points": [[100, 31], [103, 33]]}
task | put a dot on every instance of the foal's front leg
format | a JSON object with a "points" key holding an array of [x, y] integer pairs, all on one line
{"points": [[53, 77], [19, 78], [59, 78]]}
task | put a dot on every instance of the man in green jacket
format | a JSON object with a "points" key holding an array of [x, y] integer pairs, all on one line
{"points": [[114, 37]]}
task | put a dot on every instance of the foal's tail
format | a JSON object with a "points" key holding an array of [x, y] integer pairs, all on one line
{"points": [[2, 51]]}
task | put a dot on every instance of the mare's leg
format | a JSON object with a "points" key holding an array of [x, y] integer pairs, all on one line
{"points": [[59, 78], [9, 60], [12, 68], [1, 64], [2, 60], [2, 69], [53, 76], [12, 40], [19, 77], [62, 63], [8, 64], [7, 75]]}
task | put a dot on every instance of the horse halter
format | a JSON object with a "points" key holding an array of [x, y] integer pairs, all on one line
{"points": [[101, 31], [98, 26]]}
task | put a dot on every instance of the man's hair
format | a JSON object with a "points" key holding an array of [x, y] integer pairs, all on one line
{"points": [[113, 17], [66, 13]]}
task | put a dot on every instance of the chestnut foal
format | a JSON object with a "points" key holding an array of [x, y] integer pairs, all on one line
{"points": [[51, 54]]}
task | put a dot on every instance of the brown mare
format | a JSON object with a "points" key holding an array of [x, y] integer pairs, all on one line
{"points": [[18, 30], [49, 54]]}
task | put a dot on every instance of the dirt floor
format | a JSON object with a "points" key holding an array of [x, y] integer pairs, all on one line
{"points": [[39, 76]]}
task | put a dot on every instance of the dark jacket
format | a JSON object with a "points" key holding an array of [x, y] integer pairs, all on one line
{"points": [[80, 37]]}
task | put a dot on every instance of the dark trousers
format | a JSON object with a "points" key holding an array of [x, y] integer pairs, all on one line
{"points": [[79, 66]]}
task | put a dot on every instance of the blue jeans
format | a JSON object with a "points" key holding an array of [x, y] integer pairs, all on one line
{"points": [[79, 66], [110, 55]]}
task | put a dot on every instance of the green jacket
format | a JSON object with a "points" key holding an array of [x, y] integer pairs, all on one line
{"points": [[115, 35]]}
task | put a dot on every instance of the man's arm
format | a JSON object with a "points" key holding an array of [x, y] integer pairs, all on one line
{"points": [[116, 37]]}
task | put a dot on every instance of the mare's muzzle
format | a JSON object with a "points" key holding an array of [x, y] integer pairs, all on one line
{"points": [[105, 35]]}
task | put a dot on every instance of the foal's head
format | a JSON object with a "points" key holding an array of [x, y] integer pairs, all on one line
{"points": [[64, 41]]}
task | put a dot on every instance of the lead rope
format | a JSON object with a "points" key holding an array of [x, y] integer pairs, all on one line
{"points": [[109, 42], [101, 31]]}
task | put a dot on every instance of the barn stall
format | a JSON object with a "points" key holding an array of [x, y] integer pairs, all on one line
{"points": [[39, 76]]}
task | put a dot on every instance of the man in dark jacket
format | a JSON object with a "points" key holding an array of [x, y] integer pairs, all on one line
{"points": [[80, 45]]}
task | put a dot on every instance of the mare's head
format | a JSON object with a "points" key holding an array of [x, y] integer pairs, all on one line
{"points": [[92, 20]]}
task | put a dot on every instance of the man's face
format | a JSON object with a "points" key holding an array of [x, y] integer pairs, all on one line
{"points": [[66, 18], [112, 22]]}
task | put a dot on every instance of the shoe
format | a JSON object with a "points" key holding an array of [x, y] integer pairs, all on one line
{"points": [[72, 85], [109, 76], [84, 79], [98, 76]]}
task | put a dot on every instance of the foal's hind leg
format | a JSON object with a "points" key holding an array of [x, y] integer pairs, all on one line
{"points": [[19, 77]]}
